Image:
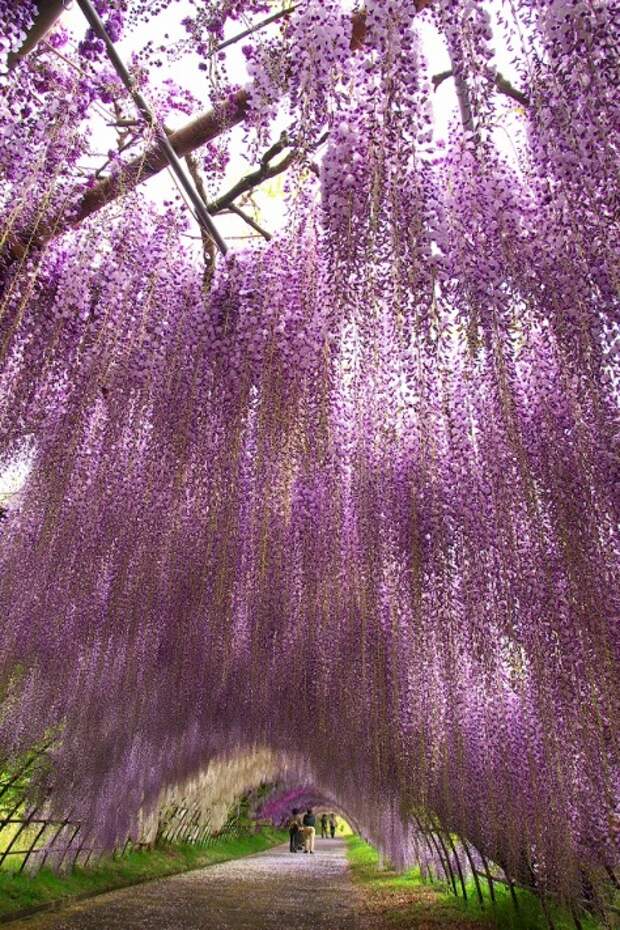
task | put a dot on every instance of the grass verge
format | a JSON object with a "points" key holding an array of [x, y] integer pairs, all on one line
{"points": [[21, 892], [405, 900], [399, 900]]}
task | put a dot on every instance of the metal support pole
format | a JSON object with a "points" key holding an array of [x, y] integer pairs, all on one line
{"points": [[202, 214]]}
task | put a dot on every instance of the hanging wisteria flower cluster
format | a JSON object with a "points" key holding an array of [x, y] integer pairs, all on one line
{"points": [[362, 490]]}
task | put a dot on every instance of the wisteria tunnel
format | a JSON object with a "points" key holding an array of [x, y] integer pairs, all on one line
{"points": [[308, 429]]}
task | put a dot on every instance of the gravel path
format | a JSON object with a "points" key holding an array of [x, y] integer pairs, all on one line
{"points": [[273, 890]]}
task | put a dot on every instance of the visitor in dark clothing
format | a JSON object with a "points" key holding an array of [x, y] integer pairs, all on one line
{"points": [[332, 825], [294, 827], [309, 824], [323, 826]]}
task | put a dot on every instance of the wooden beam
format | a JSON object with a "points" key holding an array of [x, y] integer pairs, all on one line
{"points": [[184, 141], [202, 129], [49, 12]]}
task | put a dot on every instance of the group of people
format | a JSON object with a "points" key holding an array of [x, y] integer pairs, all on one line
{"points": [[302, 829]]}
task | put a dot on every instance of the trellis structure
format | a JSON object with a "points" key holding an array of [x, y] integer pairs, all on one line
{"points": [[198, 132], [32, 838]]}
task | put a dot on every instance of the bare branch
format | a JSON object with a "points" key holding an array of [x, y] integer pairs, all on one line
{"points": [[275, 149], [502, 84], [258, 26], [252, 180], [438, 79], [250, 221], [122, 147], [265, 171], [125, 122], [505, 87], [208, 246], [464, 100]]}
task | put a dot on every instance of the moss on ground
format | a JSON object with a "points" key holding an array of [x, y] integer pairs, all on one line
{"points": [[20, 892]]}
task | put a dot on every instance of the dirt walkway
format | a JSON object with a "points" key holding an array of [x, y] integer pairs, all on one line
{"points": [[273, 890]]}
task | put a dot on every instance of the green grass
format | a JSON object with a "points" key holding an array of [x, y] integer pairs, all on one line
{"points": [[19, 892], [530, 915], [407, 900], [364, 864], [399, 900]]}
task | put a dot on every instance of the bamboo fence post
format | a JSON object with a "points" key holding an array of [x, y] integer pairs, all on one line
{"points": [[12, 812], [458, 864], [489, 877], [575, 916], [513, 893], [474, 872], [450, 869], [77, 855], [25, 823], [445, 864], [68, 846], [61, 827], [181, 825], [428, 843], [179, 818], [32, 846]]}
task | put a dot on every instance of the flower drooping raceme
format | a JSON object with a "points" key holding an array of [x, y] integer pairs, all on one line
{"points": [[466, 28], [14, 26], [267, 65], [388, 25], [319, 37], [573, 134]]}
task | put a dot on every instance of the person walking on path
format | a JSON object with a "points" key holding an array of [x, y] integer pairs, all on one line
{"points": [[294, 826], [332, 825], [323, 826], [309, 824]]}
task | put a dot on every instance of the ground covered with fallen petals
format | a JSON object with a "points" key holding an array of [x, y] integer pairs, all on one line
{"points": [[391, 900], [271, 890]]}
